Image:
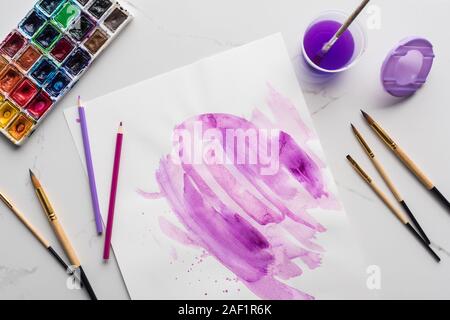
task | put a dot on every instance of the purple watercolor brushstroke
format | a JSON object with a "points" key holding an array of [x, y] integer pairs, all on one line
{"points": [[301, 166], [271, 224], [312, 180], [224, 234], [246, 200], [175, 233], [286, 115]]}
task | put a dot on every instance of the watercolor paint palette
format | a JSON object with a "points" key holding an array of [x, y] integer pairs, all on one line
{"points": [[45, 56]]}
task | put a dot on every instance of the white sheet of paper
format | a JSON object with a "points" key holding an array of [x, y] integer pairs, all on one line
{"points": [[155, 266]]}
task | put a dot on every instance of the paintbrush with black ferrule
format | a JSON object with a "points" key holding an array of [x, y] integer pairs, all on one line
{"points": [[61, 234], [391, 207], [398, 151], [388, 181]]}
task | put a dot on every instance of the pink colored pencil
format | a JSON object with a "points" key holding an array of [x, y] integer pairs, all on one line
{"points": [[112, 197]]}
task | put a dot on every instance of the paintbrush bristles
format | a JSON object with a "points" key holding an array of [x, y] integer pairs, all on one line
{"points": [[367, 117], [377, 190], [363, 142], [355, 131], [35, 181], [79, 102], [328, 45]]}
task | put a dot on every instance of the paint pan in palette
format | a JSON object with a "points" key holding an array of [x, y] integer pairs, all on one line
{"points": [[32, 23], [52, 47], [13, 44], [3, 63], [7, 112], [62, 49], [28, 58], [10, 77]]}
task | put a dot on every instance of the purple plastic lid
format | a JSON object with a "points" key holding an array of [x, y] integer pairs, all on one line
{"points": [[407, 66]]}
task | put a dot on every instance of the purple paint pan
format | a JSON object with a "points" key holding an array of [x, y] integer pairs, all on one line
{"points": [[407, 66]]}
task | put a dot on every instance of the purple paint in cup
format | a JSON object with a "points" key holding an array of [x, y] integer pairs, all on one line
{"points": [[345, 52]]}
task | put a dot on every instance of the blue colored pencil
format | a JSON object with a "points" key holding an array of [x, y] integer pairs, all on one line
{"points": [[90, 167]]}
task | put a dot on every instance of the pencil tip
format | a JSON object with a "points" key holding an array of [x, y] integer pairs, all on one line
{"points": [[120, 130], [31, 173]]}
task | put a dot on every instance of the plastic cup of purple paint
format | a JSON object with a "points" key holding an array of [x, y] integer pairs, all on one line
{"points": [[345, 53]]}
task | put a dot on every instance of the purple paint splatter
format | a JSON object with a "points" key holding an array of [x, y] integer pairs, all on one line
{"points": [[255, 224]]}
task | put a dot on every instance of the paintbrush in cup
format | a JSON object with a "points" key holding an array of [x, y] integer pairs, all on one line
{"points": [[330, 43]]}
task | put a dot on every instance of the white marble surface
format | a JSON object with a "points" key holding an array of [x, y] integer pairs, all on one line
{"points": [[169, 34]]}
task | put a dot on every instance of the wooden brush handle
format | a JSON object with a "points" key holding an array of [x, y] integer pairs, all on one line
{"points": [[414, 168], [352, 18], [65, 243], [389, 204], [387, 179], [31, 228], [377, 190]]}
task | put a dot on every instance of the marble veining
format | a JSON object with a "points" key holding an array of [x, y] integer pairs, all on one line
{"points": [[12, 275]]}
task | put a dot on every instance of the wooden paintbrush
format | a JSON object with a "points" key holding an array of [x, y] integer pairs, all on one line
{"points": [[60, 233], [328, 45], [388, 181], [34, 231], [391, 206], [405, 159]]}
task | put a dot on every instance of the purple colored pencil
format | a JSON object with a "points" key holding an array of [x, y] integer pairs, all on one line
{"points": [[112, 196], [90, 167]]}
